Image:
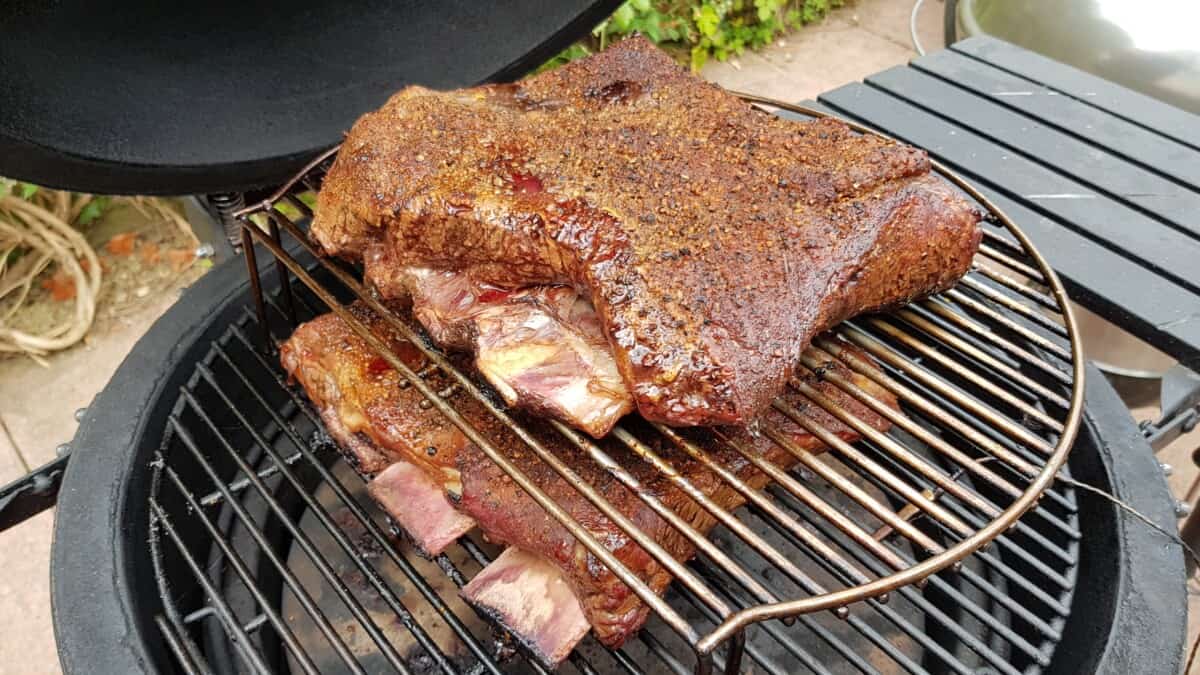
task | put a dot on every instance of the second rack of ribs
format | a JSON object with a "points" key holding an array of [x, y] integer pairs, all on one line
{"points": [[379, 421]]}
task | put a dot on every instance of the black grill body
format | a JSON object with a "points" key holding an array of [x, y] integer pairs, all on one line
{"points": [[127, 599]]}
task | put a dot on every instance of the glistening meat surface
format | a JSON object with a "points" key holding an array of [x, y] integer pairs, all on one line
{"points": [[346, 379], [713, 239], [542, 348]]}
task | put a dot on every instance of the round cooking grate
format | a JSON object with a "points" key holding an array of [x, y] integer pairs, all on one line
{"points": [[263, 545]]}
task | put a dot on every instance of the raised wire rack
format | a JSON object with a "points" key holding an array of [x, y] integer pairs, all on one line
{"points": [[990, 379]]}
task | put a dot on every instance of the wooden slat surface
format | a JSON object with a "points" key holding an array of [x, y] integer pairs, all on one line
{"points": [[1110, 200]]}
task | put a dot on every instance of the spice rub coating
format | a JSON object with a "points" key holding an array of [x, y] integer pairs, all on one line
{"points": [[713, 238]]}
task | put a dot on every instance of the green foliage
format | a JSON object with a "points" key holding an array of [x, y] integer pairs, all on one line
{"points": [[22, 190], [92, 210], [658, 21], [705, 28], [575, 51]]}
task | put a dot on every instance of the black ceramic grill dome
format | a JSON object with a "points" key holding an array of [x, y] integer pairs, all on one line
{"points": [[191, 97]]}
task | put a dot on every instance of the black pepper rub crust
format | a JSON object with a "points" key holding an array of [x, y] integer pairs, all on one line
{"points": [[714, 239]]}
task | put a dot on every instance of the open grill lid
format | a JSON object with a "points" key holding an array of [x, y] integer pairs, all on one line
{"points": [[151, 97]]}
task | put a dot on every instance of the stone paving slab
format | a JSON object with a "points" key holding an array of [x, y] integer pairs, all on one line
{"points": [[38, 403], [26, 632], [851, 43]]}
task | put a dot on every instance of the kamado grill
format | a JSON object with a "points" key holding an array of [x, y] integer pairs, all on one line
{"points": [[208, 524]]}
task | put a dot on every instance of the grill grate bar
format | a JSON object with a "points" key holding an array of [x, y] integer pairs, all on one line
{"points": [[182, 647], [259, 537], [697, 539], [972, 518], [1006, 543], [885, 610], [284, 282], [1012, 305], [852, 619], [255, 282], [213, 498], [240, 639], [996, 595], [819, 505], [243, 572], [323, 516], [921, 323], [631, 580], [938, 584], [909, 367], [1012, 263], [995, 238], [361, 515], [1024, 529], [940, 415], [254, 624], [957, 297], [722, 516], [1003, 540], [939, 307], [310, 549], [946, 622], [298, 204], [872, 467], [982, 383], [202, 613], [757, 498], [898, 451], [853, 491], [817, 359], [664, 654], [1012, 284], [755, 654]]}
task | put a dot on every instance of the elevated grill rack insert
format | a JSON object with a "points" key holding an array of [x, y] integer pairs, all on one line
{"points": [[836, 564]]}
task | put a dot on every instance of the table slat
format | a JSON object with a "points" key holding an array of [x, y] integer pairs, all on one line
{"points": [[1108, 177], [1128, 291], [1128, 232], [1131, 105], [1133, 142]]}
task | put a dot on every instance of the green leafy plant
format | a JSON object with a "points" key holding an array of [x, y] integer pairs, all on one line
{"points": [[701, 29]]}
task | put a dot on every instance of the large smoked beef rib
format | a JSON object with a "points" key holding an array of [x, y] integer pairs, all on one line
{"points": [[713, 239]]}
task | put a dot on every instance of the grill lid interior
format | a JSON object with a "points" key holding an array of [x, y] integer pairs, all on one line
{"points": [[151, 98]]}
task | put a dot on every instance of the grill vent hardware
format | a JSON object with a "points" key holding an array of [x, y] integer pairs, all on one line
{"points": [[904, 542]]}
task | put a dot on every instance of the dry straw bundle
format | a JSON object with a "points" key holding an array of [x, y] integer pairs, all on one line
{"points": [[40, 228]]}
